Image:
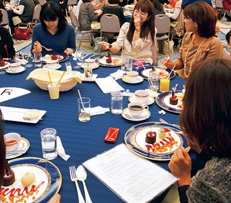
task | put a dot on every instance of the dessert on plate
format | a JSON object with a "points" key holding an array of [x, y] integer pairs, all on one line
{"points": [[173, 100], [150, 137]]}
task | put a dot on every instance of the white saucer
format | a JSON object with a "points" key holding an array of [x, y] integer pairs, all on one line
{"points": [[20, 69], [53, 67], [150, 100], [19, 152], [145, 115], [139, 80]]}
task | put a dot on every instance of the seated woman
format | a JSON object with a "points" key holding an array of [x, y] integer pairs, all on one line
{"points": [[207, 129], [136, 39], [6, 43], [24, 10], [177, 9], [113, 8], [53, 31], [87, 15]]}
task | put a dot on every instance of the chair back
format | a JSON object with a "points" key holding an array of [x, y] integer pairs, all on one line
{"points": [[109, 23], [162, 23], [36, 13], [74, 19], [4, 17]]}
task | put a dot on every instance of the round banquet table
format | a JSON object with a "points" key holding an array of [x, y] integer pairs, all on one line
{"points": [[81, 140]]}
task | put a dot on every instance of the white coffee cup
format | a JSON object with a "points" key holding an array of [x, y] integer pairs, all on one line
{"points": [[136, 109], [132, 76], [12, 141], [141, 95], [14, 67]]}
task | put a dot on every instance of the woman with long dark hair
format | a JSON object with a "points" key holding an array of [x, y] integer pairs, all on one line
{"points": [[136, 39]]}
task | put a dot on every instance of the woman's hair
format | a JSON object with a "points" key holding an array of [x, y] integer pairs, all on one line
{"points": [[148, 27], [50, 12], [2, 151], [228, 35], [206, 116], [1, 16], [205, 17]]}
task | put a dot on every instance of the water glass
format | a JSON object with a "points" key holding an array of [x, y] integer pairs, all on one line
{"points": [[126, 63], [38, 60], [49, 145], [79, 56], [153, 81], [68, 66], [116, 102], [84, 105]]}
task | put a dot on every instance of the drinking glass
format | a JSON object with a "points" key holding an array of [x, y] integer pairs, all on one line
{"points": [[116, 102], [84, 105]]}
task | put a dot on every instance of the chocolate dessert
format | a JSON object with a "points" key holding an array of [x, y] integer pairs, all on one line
{"points": [[173, 99], [150, 137], [54, 57], [9, 177], [109, 60]]}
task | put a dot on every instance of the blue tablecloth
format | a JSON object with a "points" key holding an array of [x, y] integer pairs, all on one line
{"points": [[81, 140]]}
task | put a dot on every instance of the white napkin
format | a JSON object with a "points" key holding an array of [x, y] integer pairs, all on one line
{"points": [[98, 110], [118, 74], [60, 149]]}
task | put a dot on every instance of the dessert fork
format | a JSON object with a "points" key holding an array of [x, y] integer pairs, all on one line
{"points": [[48, 49], [163, 121], [74, 178]]}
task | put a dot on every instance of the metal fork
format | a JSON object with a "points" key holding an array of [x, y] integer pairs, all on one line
{"points": [[163, 121], [74, 178], [48, 49]]}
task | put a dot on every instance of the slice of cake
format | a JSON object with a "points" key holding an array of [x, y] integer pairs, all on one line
{"points": [[173, 99], [8, 178], [150, 137]]}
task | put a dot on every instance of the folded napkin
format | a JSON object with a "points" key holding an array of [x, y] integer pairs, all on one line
{"points": [[98, 110], [60, 149], [108, 85], [118, 74]]}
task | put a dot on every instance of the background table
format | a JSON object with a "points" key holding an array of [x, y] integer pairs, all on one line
{"points": [[81, 140]]}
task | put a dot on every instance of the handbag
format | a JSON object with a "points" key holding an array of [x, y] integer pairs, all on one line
{"points": [[22, 33]]}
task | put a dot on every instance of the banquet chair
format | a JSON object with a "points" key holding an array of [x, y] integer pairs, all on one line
{"points": [[75, 23], [36, 14], [162, 23], [109, 26], [5, 21]]}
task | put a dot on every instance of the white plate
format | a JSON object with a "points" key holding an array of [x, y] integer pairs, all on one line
{"points": [[19, 152], [162, 73], [20, 69], [139, 80], [17, 114], [53, 67], [145, 115], [5, 66], [150, 100], [115, 61]]}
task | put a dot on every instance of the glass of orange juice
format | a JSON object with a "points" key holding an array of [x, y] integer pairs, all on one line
{"points": [[164, 84]]}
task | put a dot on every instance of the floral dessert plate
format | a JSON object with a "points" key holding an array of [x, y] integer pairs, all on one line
{"points": [[60, 57], [115, 62], [21, 150], [144, 72], [48, 180], [162, 100], [162, 149]]}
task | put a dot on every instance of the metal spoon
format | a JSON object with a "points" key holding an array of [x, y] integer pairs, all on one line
{"points": [[48, 49], [82, 175]]}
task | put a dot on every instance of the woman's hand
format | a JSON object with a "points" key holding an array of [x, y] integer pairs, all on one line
{"points": [[68, 51], [168, 63], [180, 166], [137, 20], [104, 45], [37, 48], [55, 199]]}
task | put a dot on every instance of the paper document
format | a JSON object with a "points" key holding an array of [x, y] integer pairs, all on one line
{"points": [[108, 85], [132, 178], [7, 93]]}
